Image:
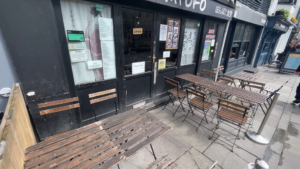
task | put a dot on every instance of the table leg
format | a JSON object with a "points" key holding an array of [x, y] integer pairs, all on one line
{"points": [[153, 151]]}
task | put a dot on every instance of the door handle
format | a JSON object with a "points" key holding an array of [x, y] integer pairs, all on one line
{"points": [[153, 58]]}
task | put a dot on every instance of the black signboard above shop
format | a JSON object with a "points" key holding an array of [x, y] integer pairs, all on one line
{"points": [[205, 7]]}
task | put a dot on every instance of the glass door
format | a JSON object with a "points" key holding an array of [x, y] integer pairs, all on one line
{"points": [[137, 55]]}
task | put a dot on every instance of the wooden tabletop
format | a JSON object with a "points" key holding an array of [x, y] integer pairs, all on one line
{"points": [[238, 92], [102, 144], [244, 76]]}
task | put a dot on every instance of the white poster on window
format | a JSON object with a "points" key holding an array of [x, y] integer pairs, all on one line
{"points": [[189, 42], [106, 28], [163, 32], [212, 43], [108, 50], [75, 46], [78, 56], [109, 69], [94, 64], [166, 54], [138, 67]]}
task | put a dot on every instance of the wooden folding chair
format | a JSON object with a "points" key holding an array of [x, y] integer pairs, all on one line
{"points": [[223, 79], [177, 92], [253, 85], [232, 113], [198, 102], [267, 91], [208, 74], [105, 95]]}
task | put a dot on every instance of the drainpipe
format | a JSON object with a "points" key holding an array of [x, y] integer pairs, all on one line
{"points": [[222, 48], [256, 48]]}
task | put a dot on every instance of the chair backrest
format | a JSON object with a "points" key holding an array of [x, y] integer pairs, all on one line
{"points": [[277, 90], [59, 103], [196, 93], [233, 106], [226, 78], [207, 73], [219, 69], [109, 94], [172, 82], [252, 84]]}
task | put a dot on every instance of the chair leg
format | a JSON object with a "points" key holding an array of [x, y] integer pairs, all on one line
{"points": [[186, 116], [237, 136], [217, 126], [180, 101], [168, 102]]}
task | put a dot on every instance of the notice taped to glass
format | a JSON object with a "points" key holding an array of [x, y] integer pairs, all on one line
{"points": [[173, 33]]}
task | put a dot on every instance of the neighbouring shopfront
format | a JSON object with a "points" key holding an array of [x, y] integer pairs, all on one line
{"points": [[274, 29], [82, 47], [242, 38]]}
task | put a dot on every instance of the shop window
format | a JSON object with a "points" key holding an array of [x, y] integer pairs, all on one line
{"points": [[138, 34], [191, 33], [169, 40], [244, 49], [266, 47], [210, 45], [234, 50], [89, 31]]}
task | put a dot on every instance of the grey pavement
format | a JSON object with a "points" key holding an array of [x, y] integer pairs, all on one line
{"points": [[192, 149]]}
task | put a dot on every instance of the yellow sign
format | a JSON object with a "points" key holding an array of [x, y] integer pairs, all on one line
{"points": [[162, 64], [137, 31]]}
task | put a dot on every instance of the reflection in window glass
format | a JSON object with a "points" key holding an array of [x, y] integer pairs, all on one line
{"points": [[137, 46], [189, 42], [171, 55], [93, 56]]}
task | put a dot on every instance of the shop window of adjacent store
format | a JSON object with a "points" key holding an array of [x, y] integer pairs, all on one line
{"points": [[169, 34], [137, 41], [246, 41], [89, 32], [190, 41]]}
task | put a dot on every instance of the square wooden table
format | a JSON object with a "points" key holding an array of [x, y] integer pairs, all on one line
{"points": [[102, 144]]}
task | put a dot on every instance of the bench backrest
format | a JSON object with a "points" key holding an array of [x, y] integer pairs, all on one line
{"points": [[16, 131], [56, 103], [95, 97]]}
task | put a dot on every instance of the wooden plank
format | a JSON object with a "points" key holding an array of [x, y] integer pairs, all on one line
{"points": [[101, 99], [126, 114], [166, 163], [235, 104], [111, 162], [72, 159], [233, 108], [139, 146], [155, 163], [62, 143], [173, 166], [86, 142], [134, 133], [63, 136], [58, 102], [92, 95], [99, 159], [123, 119], [58, 109]]}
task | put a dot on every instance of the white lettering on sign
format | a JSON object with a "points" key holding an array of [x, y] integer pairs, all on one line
{"points": [[189, 3], [223, 11]]}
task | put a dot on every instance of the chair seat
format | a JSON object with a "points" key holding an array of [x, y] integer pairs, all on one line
{"points": [[180, 94], [199, 103], [245, 101], [232, 116]]}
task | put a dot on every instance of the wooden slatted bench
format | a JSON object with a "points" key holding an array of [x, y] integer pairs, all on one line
{"points": [[102, 144]]}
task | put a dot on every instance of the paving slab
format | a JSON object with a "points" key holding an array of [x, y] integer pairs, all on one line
{"points": [[271, 158], [170, 143], [233, 161], [217, 152], [141, 159]]}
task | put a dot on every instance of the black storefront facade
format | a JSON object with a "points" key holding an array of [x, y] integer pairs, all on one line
{"points": [[55, 50], [275, 28], [243, 35]]}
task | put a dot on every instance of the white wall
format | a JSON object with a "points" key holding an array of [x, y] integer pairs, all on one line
{"points": [[272, 9], [290, 8], [282, 42], [7, 73]]}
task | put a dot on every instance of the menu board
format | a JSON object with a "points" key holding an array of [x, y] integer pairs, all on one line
{"points": [[206, 50], [291, 63], [173, 33]]}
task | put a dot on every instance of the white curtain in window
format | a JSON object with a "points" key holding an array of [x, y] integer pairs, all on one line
{"points": [[83, 16]]}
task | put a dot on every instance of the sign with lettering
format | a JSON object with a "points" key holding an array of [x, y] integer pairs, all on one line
{"points": [[210, 37], [206, 7], [137, 31], [281, 27]]}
